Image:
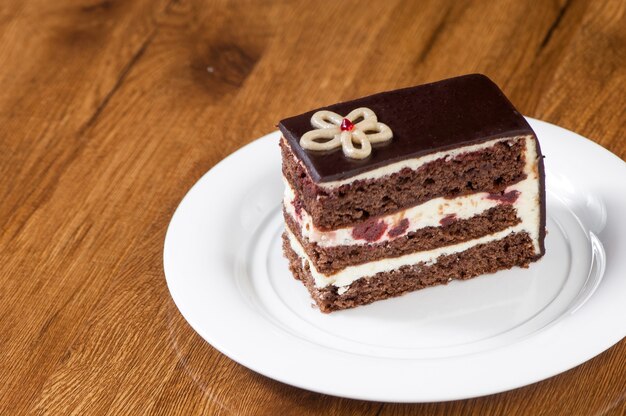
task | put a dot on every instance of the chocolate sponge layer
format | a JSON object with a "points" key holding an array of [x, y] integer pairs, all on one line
{"points": [[427, 118], [514, 250], [330, 260], [487, 170]]}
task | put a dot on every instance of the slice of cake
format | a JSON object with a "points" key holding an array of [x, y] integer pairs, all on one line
{"points": [[410, 188]]}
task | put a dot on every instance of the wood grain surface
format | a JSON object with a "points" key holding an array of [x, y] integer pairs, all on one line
{"points": [[111, 110]]}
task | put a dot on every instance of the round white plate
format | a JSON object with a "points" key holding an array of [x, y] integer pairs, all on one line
{"points": [[225, 271]]}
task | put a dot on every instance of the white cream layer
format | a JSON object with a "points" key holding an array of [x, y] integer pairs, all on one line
{"points": [[428, 214], [528, 210], [348, 275]]}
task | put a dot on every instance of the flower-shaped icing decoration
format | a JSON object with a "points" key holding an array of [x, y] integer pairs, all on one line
{"points": [[335, 131]]}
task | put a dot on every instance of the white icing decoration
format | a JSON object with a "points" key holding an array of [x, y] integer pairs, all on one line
{"points": [[329, 130]]}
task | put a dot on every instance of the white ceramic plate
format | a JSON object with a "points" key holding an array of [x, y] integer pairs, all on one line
{"points": [[225, 271]]}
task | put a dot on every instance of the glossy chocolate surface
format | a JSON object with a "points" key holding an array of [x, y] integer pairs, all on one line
{"points": [[425, 119]]}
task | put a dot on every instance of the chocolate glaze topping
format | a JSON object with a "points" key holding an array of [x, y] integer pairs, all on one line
{"points": [[425, 119]]}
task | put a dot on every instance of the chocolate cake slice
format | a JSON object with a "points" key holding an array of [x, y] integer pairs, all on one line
{"points": [[410, 188]]}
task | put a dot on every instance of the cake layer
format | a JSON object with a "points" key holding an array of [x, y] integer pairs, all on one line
{"points": [[491, 169], [425, 119], [346, 276], [340, 265], [515, 249], [331, 259], [433, 213]]}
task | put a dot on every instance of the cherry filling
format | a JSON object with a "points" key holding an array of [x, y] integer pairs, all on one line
{"points": [[297, 206], [447, 220], [506, 197], [346, 125], [370, 230], [399, 229]]}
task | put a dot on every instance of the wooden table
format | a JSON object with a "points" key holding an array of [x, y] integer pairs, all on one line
{"points": [[111, 110]]}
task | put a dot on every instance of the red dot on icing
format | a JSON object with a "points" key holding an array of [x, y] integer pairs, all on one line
{"points": [[346, 125]]}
